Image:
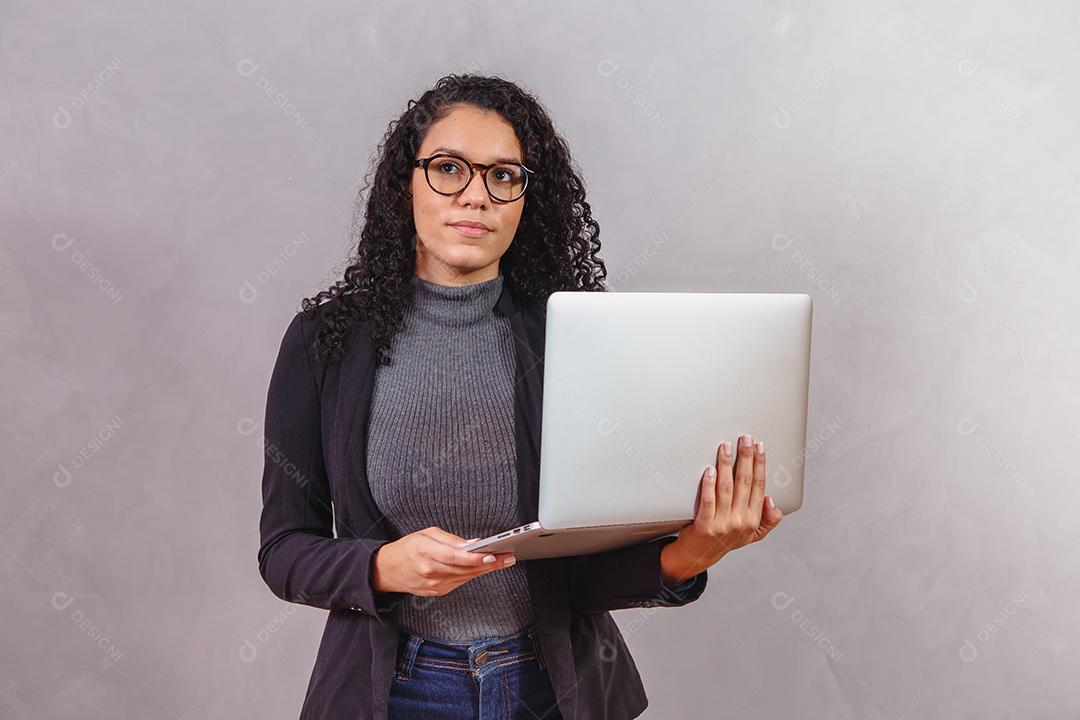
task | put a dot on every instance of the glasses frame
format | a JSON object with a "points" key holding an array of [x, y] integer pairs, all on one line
{"points": [[473, 167]]}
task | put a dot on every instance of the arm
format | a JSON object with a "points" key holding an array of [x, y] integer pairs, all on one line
{"points": [[627, 577], [299, 558]]}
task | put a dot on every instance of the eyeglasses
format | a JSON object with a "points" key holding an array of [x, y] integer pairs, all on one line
{"points": [[450, 174]]}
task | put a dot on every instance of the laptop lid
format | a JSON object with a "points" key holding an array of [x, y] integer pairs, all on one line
{"points": [[641, 387]]}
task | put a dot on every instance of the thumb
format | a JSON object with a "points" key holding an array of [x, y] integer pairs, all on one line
{"points": [[770, 518]]}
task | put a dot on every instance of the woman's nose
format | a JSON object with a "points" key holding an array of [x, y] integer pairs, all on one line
{"points": [[475, 193]]}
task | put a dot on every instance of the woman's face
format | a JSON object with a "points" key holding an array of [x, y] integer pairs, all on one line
{"points": [[445, 254]]}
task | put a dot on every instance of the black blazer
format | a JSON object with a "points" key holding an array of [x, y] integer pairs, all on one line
{"points": [[315, 480]]}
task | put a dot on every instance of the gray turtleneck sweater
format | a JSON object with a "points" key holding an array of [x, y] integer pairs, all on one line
{"points": [[441, 448]]}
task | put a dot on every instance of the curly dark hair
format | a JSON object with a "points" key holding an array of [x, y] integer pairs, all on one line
{"points": [[555, 248]]}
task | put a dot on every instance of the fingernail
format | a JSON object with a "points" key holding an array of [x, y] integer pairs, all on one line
{"points": [[727, 449], [769, 499], [710, 471], [510, 561], [760, 447], [745, 441], [489, 558]]}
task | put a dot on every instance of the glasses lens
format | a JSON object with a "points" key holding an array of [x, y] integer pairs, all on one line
{"points": [[506, 182], [447, 174]]}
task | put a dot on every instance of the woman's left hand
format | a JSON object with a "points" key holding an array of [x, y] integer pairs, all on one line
{"points": [[732, 511]]}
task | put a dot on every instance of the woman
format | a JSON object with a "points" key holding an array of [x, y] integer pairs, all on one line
{"points": [[404, 411]]}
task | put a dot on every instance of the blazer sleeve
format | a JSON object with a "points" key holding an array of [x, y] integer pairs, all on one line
{"points": [[628, 577], [299, 558]]}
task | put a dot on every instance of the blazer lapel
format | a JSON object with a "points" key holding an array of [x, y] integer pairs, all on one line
{"points": [[355, 386], [527, 328], [354, 391]]}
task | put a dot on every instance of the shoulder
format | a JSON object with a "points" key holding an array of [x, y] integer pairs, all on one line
{"points": [[306, 323], [535, 307], [533, 312], [299, 338]]}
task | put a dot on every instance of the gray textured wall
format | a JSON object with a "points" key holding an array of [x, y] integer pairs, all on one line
{"points": [[174, 177]]}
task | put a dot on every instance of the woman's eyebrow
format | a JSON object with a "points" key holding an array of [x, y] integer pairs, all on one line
{"points": [[461, 154]]}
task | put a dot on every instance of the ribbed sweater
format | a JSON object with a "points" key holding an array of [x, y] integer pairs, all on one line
{"points": [[441, 449]]}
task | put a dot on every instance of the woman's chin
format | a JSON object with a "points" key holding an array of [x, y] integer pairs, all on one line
{"points": [[467, 254]]}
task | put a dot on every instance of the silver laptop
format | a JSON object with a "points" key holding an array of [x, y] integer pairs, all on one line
{"points": [[639, 390]]}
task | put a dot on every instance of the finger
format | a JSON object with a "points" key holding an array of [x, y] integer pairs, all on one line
{"points": [[724, 479], [757, 489], [450, 554], [435, 569], [706, 506], [770, 518], [498, 562], [502, 560], [441, 535], [744, 472]]}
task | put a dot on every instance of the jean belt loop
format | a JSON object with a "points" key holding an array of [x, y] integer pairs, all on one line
{"points": [[408, 661], [534, 636]]}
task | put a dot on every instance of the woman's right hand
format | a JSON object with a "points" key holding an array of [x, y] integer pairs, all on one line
{"points": [[430, 562]]}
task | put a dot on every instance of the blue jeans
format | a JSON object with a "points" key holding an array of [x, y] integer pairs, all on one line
{"points": [[498, 678]]}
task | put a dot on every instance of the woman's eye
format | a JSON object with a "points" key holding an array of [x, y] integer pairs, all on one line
{"points": [[447, 167]]}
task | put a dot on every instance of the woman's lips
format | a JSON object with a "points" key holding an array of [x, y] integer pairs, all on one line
{"points": [[470, 231]]}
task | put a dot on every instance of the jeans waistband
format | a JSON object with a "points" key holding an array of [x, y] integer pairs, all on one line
{"points": [[470, 656]]}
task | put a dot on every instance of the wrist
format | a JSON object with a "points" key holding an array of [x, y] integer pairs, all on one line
{"points": [[380, 562], [674, 568]]}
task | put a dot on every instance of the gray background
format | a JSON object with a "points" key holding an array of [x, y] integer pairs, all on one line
{"points": [[174, 177]]}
